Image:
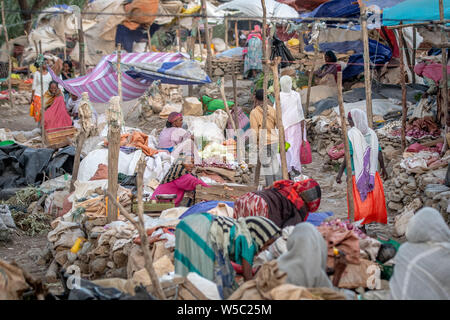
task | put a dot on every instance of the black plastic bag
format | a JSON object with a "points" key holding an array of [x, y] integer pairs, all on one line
{"points": [[280, 50], [387, 252]]}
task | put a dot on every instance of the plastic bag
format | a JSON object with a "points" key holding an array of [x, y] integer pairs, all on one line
{"points": [[305, 150]]}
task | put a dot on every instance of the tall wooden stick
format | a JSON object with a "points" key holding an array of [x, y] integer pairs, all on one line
{"points": [[348, 162], [200, 43], [444, 75], [402, 74], [310, 78], [76, 162], [148, 263], [276, 87], [208, 40], [265, 84], [65, 47], [179, 34], [81, 47], [236, 33], [226, 32], [149, 39], [44, 140], [414, 53], [113, 155], [119, 73], [222, 92], [367, 80], [8, 48], [235, 107]]}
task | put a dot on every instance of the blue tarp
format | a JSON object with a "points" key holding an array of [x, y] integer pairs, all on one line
{"points": [[413, 11], [335, 9], [179, 72], [379, 54], [316, 218], [205, 207], [339, 47]]}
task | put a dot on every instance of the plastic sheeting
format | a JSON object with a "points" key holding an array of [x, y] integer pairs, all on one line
{"points": [[413, 11], [21, 166], [254, 9], [336, 9], [380, 107]]}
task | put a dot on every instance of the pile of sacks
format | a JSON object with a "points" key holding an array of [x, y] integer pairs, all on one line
{"points": [[163, 99], [101, 250], [19, 98], [30, 139], [427, 187]]}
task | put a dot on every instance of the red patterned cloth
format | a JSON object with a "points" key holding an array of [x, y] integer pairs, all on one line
{"points": [[250, 204], [306, 192]]}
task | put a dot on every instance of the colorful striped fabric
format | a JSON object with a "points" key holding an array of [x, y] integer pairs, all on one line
{"points": [[101, 83]]}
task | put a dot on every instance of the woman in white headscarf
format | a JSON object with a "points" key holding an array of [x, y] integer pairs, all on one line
{"points": [[294, 124], [421, 270], [365, 152]]}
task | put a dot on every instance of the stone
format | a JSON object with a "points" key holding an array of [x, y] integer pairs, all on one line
{"points": [[218, 72], [98, 265], [397, 196], [442, 196], [110, 265], [120, 259], [61, 257], [395, 206], [84, 267], [432, 190], [117, 273]]}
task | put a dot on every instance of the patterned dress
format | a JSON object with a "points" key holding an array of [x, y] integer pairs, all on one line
{"points": [[253, 58], [251, 204]]}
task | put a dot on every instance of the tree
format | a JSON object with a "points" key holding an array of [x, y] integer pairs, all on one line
{"points": [[27, 11]]}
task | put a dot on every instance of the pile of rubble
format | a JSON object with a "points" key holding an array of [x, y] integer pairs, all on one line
{"points": [[224, 66]]}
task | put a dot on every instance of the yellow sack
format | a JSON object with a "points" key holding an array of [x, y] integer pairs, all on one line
{"points": [[293, 42]]}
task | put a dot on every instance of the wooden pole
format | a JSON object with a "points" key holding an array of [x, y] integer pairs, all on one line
{"points": [[444, 76], [179, 34], [208, 42], [276, 86], [236, 33], [403, 82], [236, 120], [113, 155], [265, 84], [222, 92], [65, 47], [310, 78], [76, 163], [301, 46], [148, 261], [367, 80], [347, 159], [414, 53], [200, 43], [119, 73], [44, 140], [81, 47], [226, 31], [8, 48], [149, 39]]}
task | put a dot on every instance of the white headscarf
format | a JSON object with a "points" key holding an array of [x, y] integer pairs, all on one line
{"points": [[365, 143], [286, 84], [421, 264], [305, 261]]}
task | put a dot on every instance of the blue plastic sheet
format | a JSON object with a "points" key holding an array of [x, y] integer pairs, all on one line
{"points": [[205, 207], [230, 53], [335, 9], [316, 218], [413, 11]]}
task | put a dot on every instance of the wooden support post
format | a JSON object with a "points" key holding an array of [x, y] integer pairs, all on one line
{"points": [[114, 125], [226, 32], [444, 76], [234, 79], [81, 47], [76, 162], [140, 227], [414, 53], [301, 46], [222, 92], [265, 84], [403, 82], [367, 78], [310, 78], [208, 40], [276, 87], [347, 159], [8, 48], [200, 44], [119, 73], [179, 34], [236, 33], [44, 140]]}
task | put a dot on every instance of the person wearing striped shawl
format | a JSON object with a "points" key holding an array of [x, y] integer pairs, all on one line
{"points": [[206, 244]]}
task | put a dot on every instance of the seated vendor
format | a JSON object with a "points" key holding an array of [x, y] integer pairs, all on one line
{"points": [[179, 179], [56, 115], [286, 203], [177, 140], [72, 105], [329, 69]]}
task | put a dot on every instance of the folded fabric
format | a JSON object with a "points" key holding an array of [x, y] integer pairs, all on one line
{"points": [[138, 140]]}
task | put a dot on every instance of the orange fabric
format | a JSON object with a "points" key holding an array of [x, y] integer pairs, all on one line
{"points": [[137, 140], [373, 209], [140, 12], [35, 108], [101, 173]]}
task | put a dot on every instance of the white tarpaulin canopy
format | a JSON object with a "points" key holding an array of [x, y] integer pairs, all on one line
{"points": [[254, 9]]}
